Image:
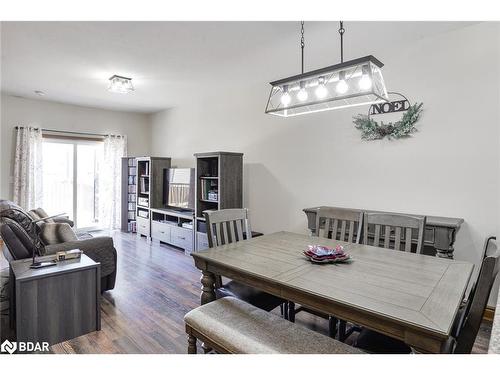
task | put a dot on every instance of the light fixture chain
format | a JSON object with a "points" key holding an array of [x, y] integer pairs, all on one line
{"points": [[302, 44], [341, 32]]}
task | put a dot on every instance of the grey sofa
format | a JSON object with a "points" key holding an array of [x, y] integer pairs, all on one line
{"points": [[17, 232]]}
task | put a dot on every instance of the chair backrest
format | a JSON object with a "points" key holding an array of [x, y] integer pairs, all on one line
{"points": [[339, 224], [227, 226], [398, 230], [478, 299]]}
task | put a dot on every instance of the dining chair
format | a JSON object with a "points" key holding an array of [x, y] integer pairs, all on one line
{"points": [[342, 224], [397, 230], [467, 321], [226, 227], [391, 231]]}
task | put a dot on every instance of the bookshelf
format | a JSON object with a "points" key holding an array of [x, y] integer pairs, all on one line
{"points": [[150, 178], [129, 191], [219, 185]]}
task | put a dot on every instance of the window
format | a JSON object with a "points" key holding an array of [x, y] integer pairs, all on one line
{"points": [[71, 179]]}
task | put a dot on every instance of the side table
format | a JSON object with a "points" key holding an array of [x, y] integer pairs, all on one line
{"points": [[57, 303]]}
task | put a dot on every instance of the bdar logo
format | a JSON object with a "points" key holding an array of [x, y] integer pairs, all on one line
{"points": [[8, 347]]}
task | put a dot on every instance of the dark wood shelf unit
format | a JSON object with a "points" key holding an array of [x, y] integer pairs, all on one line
{"points": [[220, 172]]}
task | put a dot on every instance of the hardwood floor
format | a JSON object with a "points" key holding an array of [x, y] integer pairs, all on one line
{"points": [[156, 285]]}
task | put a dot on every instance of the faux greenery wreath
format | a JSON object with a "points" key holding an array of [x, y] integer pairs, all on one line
{"points": [[371, 130]]}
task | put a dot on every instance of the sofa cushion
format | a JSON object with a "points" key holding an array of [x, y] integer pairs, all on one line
{"points": [[12, 211], [40, 213], [17, 241], [243, 328], [56, 233]]}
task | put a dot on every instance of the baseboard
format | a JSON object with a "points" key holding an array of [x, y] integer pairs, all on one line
{"points": [[489, 314]]}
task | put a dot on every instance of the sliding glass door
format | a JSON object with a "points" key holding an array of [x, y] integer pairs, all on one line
{"points": [[71, 179]]}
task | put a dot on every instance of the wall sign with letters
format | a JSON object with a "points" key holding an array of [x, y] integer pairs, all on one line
{"points": [[371, 129]]}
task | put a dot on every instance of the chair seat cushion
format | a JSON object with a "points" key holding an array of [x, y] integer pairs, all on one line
{"points": [[258, 298], [375, 342], [239, 327]]}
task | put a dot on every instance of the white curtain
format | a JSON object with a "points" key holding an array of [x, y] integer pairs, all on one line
{"points": [[28, 168], [115, 147]]}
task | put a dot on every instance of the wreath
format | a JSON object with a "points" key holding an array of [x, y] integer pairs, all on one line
{"points": [[371, 129]]}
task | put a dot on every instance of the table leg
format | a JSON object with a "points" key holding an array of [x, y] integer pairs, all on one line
{"points": [[207, 295], [208, 287], [444, 238]]}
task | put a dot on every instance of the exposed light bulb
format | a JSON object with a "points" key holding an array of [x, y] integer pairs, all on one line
{"points": [[285, 99], [342, 86], [321, 90], [365, 82], [302, 94]]}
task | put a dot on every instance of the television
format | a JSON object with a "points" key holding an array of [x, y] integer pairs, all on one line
{"points": [[179, 188]]}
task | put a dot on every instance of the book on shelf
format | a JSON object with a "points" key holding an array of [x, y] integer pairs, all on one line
{"points": [[132, 189], [132, 180], [132, 171], [132, 198], [131, 162], [208, 187], [131, 215], [132, 226], [131, 206]]}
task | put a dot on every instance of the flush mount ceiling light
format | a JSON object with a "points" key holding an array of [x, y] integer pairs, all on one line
{"points": [[120, 85], [347, 84]]}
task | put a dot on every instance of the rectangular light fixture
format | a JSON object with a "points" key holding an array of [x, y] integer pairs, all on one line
{"points": [[348, 84], [120, 85]]}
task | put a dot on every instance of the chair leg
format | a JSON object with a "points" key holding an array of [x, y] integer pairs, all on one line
{"points": [[332, 326], [342, 330], [285, 310], [191, 344], [291, 311]]}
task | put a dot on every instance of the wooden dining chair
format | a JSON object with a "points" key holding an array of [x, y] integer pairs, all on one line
{"points": [[468, 319], [342, 224], [394, 231], [339, 224], [226, 227]]}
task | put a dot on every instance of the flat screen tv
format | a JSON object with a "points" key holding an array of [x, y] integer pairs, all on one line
{"points": [[179, 188]]}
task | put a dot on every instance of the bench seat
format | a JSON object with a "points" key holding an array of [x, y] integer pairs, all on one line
{"points": [[229, 325]]}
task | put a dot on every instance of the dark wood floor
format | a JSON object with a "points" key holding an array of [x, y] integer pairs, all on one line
{"points": [[156, 285]]}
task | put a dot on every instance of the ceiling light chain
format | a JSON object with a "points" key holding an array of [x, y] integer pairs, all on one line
{"points": [[302, 44], [341, 32]]}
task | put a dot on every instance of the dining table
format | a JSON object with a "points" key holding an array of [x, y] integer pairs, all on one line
{"points": [[411, 297]]}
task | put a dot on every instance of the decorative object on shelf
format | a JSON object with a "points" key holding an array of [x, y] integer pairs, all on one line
{"points": [[120, 85], [372, 130], [347, 84]]}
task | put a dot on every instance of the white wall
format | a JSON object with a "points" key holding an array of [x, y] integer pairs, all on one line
{"points": [[449, 168], [17, 111]]}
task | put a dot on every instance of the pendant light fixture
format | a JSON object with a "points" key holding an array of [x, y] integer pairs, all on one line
{"points": [[347, 84]]}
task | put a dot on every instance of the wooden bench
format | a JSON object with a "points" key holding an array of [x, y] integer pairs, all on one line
{"points": [[229, 325]]}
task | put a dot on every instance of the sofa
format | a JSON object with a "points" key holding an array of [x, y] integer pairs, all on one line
{"points": [[17, 231]]}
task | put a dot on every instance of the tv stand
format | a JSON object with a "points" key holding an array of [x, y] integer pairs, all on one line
{"points": [[166, 227]]}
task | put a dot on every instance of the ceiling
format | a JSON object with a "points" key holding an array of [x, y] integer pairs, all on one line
{"points": [[170, 61]]}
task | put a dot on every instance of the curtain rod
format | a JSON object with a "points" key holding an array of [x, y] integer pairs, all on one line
{"points": [[71, 132]]}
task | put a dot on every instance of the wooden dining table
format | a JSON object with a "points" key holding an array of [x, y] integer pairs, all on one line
{"points": [[411, 297]]}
